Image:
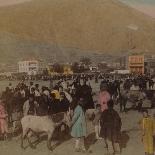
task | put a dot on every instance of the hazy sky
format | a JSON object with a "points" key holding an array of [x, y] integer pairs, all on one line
{"points": [[140, 1], [146, 6], [10, 2]]}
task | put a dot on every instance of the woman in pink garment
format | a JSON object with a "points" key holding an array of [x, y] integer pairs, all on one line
{"points": [[3, 120], [103, 98]]}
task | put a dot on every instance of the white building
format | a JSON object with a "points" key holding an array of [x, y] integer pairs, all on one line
{"points": [[31, 67]]}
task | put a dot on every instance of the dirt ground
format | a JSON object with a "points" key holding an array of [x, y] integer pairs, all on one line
{"points": [[130, 139]]}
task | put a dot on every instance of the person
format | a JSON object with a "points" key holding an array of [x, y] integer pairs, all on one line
{"points": [[153, 100], [64, 84], [96, 121], [78, 126], [64, 103], [37, 92], [104, 97], [43, 105], [141, 98], [123, 98], [46, 91], [17, 101], [148, 131], [29, 107], [77, 86], [10, 87], [111, 128], [96, 79], [7, 96], [51, 84], [3, 120], [56, 92], [67, 95], [54, 104], [86, 94], [22, 92], [30, 88], [151, 84]]}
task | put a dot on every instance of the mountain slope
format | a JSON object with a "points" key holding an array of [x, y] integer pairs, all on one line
{"points": [[91, 25]]}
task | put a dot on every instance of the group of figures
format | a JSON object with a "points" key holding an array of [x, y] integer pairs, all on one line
{"points": [[73, 96]]}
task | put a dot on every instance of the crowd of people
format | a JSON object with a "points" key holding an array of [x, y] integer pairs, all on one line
{"points": [[74, 94]]}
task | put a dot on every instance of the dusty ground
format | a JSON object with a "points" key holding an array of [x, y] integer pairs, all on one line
{"points": [[131, 140]]}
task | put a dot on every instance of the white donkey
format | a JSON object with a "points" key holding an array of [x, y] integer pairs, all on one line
{"points": [[41, 124]]}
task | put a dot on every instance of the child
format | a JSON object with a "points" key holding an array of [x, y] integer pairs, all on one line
{"points": [[96, 121], [78, 124], [111, 129], [148, 130]]}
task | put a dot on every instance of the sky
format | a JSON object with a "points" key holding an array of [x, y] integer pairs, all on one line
{"points": [[10, 2], [146, 6]]}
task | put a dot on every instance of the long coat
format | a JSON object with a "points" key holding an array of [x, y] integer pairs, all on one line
{"points": [[148, 127], [79, 123], [111, 125]]}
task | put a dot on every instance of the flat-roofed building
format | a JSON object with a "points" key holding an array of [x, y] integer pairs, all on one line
{"points": [[136, 64], [31, 67]]}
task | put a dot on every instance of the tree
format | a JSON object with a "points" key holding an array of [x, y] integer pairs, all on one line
{"points": [[86, 61], [58, 68], [75, 67]]}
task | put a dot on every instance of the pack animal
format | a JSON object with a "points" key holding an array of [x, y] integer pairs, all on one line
{"points": [[40, 124]]}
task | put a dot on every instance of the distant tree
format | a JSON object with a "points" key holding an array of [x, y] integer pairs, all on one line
{"points": [[86, 61], [75, 67], [102, 66], [58, 68]]}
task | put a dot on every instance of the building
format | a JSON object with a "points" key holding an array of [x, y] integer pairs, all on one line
{"points": [[150, 64], [120, 72], [94, 68], [114, 65], [123, 62], [31, 67], [136, 64]]}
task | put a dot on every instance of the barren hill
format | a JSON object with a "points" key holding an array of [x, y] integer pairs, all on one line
{"points": [[106, 26]]}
